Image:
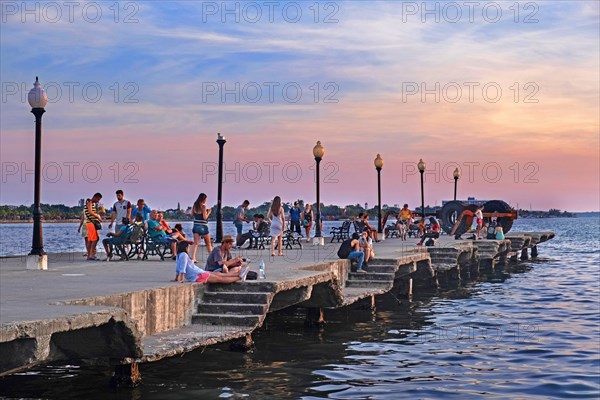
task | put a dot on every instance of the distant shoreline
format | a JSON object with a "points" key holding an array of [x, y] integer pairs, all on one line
{"points": [[70, 221]]}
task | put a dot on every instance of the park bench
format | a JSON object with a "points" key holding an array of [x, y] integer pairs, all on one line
{"points": [[289, 240], [153, 247], [340, 233]]}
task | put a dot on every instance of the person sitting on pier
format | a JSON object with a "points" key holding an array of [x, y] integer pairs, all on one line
{"points": [[171, 233], [117, 238], [434, 232], [359, 223], [220, 259], [366, 244], [489, 229], [350, 250], [372, 230], [187, 271], [261, 228], [158, 232], [499, 232]]}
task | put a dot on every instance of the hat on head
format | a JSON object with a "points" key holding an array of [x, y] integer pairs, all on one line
{"points": [[227, 238]]}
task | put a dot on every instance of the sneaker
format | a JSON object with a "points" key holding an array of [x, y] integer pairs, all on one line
{"points": [[244, 273], [362, 271], [419, 244]]}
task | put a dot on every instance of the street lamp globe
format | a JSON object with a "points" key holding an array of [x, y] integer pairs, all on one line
{"points": [[456, 173], [378, 162], [37, 96], [421, 166], [318, 150]]}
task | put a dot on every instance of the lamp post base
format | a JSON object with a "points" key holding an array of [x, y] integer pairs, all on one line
{"points": [[318, 241], [35, 261]]}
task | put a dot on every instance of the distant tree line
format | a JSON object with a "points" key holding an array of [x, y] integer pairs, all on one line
{"points": [[60, 212], [552, 213]]}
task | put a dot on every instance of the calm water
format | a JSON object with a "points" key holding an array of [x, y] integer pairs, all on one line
{"points": [[530, 331]]}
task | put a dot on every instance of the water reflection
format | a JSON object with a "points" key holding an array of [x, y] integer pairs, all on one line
{"points": [[526, 331]]}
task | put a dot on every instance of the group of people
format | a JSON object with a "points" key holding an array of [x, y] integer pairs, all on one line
{"points": [[124, 216], [128, 219]]}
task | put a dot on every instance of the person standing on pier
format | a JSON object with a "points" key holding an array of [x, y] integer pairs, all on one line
{"points": [[200, 227], [142, 209], [121, 209], [307, 220], [240, 218], [295, 213], [479, 220], [276, 217], [93, 224]]}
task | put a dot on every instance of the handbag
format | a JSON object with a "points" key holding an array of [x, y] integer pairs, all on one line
{"points": [[97, 224]]}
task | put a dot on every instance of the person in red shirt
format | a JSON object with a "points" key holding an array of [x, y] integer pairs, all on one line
{"points": [[434, 231]]}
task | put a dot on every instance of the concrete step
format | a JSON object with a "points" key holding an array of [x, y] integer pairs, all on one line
{"points": [[446, 259], [369, 284], [225, 320], [246, 286], [236, 298], [232, 309], [377, 261], [370, 276], [382, 268], [440, 250]]}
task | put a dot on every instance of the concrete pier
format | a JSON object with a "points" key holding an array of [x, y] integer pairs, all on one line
{"points": [[130, 312]]}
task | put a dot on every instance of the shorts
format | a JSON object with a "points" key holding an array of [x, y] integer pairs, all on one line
{"points": [[238, 226], [92, 233], [200, 229], [164, 240], [480, 222], [84, 231], [203, 277]]}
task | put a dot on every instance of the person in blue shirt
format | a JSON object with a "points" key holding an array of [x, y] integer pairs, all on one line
{"points": [[117, 238], [187, 271], [295, 219], [142, 209]]}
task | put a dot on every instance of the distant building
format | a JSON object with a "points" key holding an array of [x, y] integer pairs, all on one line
{"points": [[470, 200]]}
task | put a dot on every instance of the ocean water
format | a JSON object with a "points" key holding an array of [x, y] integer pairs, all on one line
{"points": [[528, 331]]}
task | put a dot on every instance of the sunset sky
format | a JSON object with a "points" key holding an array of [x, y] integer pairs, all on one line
{"points": [[507, 91]]}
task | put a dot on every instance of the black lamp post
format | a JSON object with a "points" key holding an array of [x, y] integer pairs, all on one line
{"points": [[378, 166], [37, 100], [221, 141], [421, 166], [456, 176], [318, 152]]}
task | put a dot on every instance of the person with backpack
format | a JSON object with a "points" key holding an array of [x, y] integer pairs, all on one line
{"points": [[350, 250], [117, 239]]}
